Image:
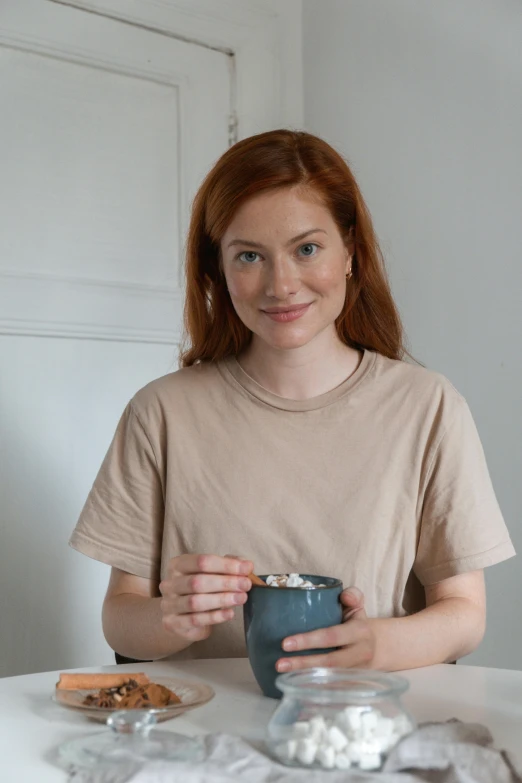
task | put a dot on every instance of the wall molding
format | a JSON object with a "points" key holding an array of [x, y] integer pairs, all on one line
{"points": [[82, 308], [80, 56], [158, 316], [263, 40], [264, 37]]}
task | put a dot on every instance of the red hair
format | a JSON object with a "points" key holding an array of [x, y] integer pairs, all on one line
{"points": [[282, 159]]}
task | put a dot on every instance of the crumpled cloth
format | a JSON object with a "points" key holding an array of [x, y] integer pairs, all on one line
{"points": [[451, 752]]}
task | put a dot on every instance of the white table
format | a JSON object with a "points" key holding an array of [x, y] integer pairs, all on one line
{"points": [[31, 726]]}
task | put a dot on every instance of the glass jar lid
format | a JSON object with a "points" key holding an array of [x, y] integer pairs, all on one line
{"points": [[337, 685], [131, 740]]}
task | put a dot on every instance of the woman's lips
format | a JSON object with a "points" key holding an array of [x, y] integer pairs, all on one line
{"points": [[289, 315]]}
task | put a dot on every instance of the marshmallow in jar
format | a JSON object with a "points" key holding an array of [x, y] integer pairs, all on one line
{"points": [[338, 718]]}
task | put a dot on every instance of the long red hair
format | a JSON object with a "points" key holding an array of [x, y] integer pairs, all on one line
{"points": [[282, 159]]}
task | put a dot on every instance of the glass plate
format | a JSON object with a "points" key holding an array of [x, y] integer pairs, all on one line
{"points": [[192, 695], [129, 741]]}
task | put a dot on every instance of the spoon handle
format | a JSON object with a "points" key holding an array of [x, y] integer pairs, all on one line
{"points": [[257, 581]]}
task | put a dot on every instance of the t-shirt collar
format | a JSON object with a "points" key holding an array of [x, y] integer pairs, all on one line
{"points": [[233, 371]]}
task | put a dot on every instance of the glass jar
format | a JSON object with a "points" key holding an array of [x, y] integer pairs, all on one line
{"points": [[338, 718]]}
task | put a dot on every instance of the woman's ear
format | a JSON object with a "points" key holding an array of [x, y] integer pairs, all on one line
{"points": [[349, 251], [349, 244]]}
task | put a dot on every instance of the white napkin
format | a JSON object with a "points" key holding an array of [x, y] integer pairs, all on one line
{"points": [[451, 752]]}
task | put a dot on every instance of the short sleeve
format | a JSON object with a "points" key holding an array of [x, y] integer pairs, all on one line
{"points": [[122, 521], [462, 528]]}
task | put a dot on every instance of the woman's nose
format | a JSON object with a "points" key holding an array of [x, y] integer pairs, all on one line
{"points": [[282, 279]]}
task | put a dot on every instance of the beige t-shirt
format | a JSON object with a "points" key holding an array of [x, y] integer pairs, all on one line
{"points": [[381, 482]]}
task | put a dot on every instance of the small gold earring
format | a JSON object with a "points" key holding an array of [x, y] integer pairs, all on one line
{"points": [[349, 274]]}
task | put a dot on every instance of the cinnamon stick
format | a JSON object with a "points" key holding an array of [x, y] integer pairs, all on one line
{"points": [[73, 682]]}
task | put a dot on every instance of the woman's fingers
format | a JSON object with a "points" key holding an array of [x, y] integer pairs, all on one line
{"points": [[348, 657], [206, 583], [352, 600], [354, 627], [354, 639], [211, 564], [181, 623], [191, 632], [197, 634], [205, 602], [201, 591], [199, 619], [336, 636]]}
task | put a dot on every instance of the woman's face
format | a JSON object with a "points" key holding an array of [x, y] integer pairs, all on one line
{"points": [[285, 264]]}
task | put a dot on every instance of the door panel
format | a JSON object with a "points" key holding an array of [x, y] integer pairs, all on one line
{"points": [[109, 129], [106, 132]]}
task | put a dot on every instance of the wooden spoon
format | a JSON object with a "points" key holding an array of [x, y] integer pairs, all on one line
{"points": [[257, 581]]}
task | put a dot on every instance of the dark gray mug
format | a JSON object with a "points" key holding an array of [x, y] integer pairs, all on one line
{"points": [[273, 613]]}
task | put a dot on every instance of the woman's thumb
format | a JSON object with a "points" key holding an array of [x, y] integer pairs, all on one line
{"points": [[353, 601]]}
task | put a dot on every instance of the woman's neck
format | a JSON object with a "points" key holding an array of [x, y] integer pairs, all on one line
{"points": [[300, 373]]}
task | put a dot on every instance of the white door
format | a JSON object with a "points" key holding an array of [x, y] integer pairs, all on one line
{"points": [[106, 130]]}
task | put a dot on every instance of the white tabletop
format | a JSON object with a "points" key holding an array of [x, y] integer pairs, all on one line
{"points": [[31, 726]]}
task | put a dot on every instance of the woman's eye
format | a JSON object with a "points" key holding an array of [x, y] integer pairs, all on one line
{"points": [[248, 256], [308, 250]]}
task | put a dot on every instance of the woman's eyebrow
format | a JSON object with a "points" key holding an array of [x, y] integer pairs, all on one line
{"points": [[290, 242]]}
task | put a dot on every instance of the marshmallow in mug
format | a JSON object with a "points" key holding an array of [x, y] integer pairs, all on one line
{"points": [[290, 580], [356, 737]]}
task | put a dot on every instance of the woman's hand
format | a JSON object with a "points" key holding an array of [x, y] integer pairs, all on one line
{"points": [[355, 638], [200, 591]]}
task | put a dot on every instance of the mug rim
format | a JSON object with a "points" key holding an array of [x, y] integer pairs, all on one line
{"points": [[336, 583]]}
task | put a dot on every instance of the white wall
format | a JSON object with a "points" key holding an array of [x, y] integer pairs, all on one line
{"points": [[60, 401], [425, 101]]}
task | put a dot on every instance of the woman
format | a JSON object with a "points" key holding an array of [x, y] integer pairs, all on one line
{"points": [[296, 435]]}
